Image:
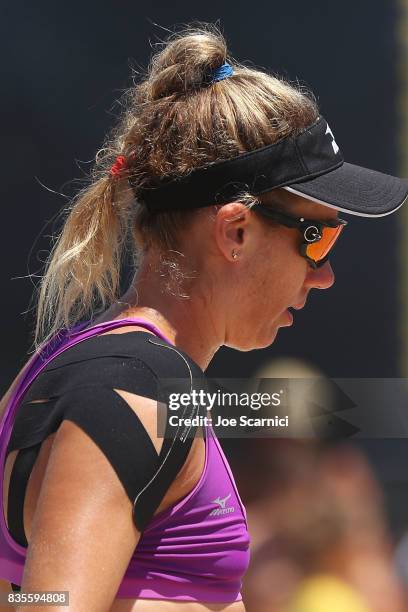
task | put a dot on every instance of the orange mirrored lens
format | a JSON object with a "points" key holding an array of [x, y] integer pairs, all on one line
{"points": [[318, 250]]}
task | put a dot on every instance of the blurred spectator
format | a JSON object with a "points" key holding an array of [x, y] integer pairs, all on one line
{"points": [[318, 533], [325, 592], [319, 538]]}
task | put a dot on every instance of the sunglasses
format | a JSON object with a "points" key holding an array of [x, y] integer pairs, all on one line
{"points": [[319, 237]]}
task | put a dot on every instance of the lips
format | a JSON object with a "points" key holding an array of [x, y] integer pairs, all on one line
{"points": [[296, 306], [290, 316], [299, 305]]}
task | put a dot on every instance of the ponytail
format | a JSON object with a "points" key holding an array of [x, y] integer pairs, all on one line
{"points": [[84, 265]]}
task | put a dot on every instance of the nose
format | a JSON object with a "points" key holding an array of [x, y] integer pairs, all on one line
{"points": [[320, 278]]}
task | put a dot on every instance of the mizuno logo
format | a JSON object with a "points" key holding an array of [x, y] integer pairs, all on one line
{"points": [[221, 501]]}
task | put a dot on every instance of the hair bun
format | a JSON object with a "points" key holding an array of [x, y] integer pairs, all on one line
{"points": [[186, 63]]}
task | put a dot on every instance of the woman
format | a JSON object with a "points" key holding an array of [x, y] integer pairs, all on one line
{"points": [[229, 182]]}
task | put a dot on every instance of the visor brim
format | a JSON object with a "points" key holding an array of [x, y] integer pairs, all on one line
{"points": [[355, 190]]}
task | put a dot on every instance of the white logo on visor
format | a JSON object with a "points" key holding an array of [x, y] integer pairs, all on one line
{"points": [[334, 143]]}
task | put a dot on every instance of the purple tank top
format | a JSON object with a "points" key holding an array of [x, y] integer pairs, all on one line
{"points": [[195, 550]]}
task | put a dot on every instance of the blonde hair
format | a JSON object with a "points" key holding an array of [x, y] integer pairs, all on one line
{"points": [[173, 120]]}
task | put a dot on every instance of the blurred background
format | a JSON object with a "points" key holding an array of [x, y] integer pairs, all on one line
{"points": [[65, 64]]}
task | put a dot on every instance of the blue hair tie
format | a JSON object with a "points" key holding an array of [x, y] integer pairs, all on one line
{"points": [[221, 73]]}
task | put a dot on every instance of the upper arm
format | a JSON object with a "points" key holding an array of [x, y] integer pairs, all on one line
{"points": [[83, 533]]}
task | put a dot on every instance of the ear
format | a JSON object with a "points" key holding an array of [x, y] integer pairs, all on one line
{"points": [[231, 228]]}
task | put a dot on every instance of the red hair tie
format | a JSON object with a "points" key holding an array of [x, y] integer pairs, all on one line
{"points": [[118, 166]]}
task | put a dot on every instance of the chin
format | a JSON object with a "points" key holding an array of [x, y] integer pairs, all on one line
{"points": [[251, 344], [270, 340]]}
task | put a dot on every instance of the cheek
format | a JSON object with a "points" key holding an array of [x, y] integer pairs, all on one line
{"points": [[282, 272]]}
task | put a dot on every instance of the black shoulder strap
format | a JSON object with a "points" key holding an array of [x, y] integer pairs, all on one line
{"points": [[166, 361], [176, 446]]}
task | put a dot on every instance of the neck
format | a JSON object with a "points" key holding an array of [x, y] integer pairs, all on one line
{"points": [[186, 321]]}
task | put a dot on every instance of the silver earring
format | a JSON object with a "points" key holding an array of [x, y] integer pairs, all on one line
{"points": [[234, 254]]}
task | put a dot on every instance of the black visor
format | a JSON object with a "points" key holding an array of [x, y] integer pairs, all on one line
{"points": [[309, 164]]}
